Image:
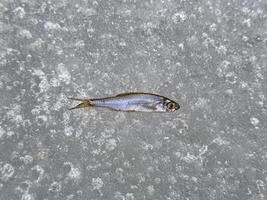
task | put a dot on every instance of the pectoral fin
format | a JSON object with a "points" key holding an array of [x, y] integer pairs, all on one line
{"points": [[151, 107]]}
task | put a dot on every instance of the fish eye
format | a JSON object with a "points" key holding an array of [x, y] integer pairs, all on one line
{"points": [[171, 105]]}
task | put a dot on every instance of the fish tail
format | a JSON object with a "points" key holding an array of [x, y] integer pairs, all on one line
{"points": [[85, 103]]}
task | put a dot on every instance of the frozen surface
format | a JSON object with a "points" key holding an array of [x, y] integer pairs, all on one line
{"points": [[210, 56]]}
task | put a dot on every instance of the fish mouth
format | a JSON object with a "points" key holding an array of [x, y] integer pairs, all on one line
{"points": [[177, 107]]}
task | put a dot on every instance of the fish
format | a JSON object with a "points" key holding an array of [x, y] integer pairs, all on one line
{"points": [[131, 102]]}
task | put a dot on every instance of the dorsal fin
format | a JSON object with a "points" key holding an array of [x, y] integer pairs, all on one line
{"points": [[136, 93], [125, 94]]}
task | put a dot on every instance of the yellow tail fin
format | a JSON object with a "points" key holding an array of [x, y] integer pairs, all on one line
{"points": [[85, 103]]}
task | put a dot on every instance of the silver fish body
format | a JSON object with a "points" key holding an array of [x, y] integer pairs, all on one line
{"points": [[132, 102]]}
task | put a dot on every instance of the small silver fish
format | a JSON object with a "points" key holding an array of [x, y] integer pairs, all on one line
{"points": [[131, 102]]}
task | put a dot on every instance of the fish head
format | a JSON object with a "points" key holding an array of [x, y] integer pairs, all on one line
{"points": [[170, 105]]}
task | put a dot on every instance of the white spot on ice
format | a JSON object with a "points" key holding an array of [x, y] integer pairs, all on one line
{"points": [[63, 73], [181, 46], [118, 196], [27, 196], [55, 187], [25, 34], [245, 10], [20, 12], [223, 68], [87, 11], [177, 154], [189, 158], [44, 84], [2, 132], [219, 141], [74, 173], [68, 131], [247, 22], [27, 159], [20, 145], [6, 171], [37, 45], [40, 170], [245, 38], [150, 190], [203, 150], [260, 185], [179, 17], [14, 114], [254, 121], [192, 41], [201, 102], [120, 117], [157, 180], [231, 77], [97, 183], [243, 84], [217, 12], [80, 44], [50, 26], [213, 27], [130, 196], [111, 144], [172, 179], [42, 119], [194, 179], [54, 82], [10, 133], [229, 91], [222, 49], [78, 132]]}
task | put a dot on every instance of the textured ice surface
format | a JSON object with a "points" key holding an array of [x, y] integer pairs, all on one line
{"points": [[210, 56]]}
